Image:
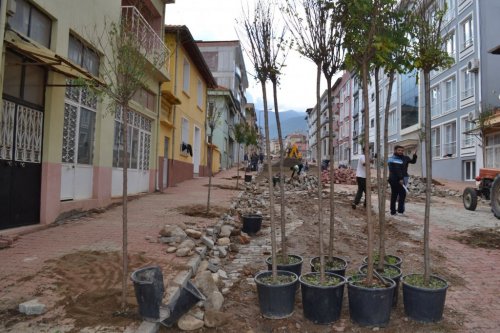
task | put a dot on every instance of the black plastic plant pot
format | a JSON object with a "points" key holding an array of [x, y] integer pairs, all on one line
{"points": [[322, 304], [248, 178], [314, 262], [188, 297], [251, 223], [390, 260], [370, 306], [296, 267], [276, 180], [424, 304], [149, 288], [396, 278], [276, 301]]}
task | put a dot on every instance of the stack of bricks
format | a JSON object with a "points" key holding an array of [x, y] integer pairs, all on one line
{"points": [[340, 176]]}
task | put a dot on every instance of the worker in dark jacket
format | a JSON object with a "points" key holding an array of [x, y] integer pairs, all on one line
{"points": [[398, 168]]}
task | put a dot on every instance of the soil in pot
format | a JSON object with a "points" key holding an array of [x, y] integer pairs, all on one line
{"points": [[276, 297], [322, 303], [293, 264], [392, 272], [332, 265], [424, 303], [389, 260], [370, 304]]}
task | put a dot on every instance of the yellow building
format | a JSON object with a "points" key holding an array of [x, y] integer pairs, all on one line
{"points": [[59, 146], [182, 148]]}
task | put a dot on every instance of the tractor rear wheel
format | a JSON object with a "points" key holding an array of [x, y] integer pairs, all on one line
{"points": [[470, 198], [495, 197]]}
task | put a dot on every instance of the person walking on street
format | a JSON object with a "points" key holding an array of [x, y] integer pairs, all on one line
{"points": [[360, 180], [398, 170]]}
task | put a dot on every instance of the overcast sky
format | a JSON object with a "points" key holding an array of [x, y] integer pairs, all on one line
{"points": [[215, 20]]}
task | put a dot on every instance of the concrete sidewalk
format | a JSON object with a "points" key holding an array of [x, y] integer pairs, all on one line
{"points": [[103, 232]]}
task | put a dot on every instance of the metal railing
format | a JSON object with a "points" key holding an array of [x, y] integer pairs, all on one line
{"points": [[152, 45]]}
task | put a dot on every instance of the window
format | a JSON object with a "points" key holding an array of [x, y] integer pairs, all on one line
{"points": [[200, 94], [467, 137], [356, 105], [469, 170], [450, 10], [436, 142], [493, 151], [449, 139], [31, 22], [26, 82], [450, 95], [449, 43], [435, 102], [185, 76], [467, 84], [139, 140], [145, 98], [355, 146], [79, 126], [393, 122], [83, 56], [467, 34], [185, 130], [409, 100], [372, 123]]}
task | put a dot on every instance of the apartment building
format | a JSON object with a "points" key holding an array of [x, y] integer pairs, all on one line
{"points": [[60, 147], [468, 87], [225, 61], [343, 97]]}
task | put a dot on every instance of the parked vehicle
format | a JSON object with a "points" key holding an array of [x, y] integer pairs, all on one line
{"points": [[488, 187]]}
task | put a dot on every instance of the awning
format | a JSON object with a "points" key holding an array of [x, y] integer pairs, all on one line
{"points": [[408, 143], [49, 58]]}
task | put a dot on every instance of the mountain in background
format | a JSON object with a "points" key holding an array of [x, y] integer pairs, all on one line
{"points": [[291, 122]]}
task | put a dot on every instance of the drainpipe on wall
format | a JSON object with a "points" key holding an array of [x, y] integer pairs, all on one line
{"points": [[482, 160], [158, 112]]}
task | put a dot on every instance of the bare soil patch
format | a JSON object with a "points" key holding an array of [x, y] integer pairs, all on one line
{"points": [[201, 211], [485, 238], [223, 186], [81, 289]]}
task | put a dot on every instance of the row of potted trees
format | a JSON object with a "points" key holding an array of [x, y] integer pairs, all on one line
{"points": [[368, 305]]}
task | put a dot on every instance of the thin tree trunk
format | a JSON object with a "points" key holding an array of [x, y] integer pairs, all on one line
{"points": [[428, 174], [383, 184], [320, 187], [380, 184], [210, 152], [270, 183], [330, 151], [238, 167], [364, 74], [124, 206], [284, 248]]}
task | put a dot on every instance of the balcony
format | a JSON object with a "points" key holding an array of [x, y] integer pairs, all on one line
{"points": [[152, 46]]}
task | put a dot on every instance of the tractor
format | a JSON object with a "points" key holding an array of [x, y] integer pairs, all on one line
{"points": [[488, 187]]}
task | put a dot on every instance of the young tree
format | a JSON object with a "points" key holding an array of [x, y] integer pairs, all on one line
{"points": [[213, 117], [393, 58], [125, 67], [257, 33], [275, 59], [334, 58], [361, 21], [307, 22], [429, 54]]}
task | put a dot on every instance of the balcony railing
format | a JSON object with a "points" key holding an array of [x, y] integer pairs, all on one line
{"points": [[151, 43]]}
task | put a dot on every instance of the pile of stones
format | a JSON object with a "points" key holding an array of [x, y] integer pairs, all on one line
{"points": [[417, 186]]}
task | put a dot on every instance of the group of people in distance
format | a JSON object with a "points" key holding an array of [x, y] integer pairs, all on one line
{"points": [[398, 179]]}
